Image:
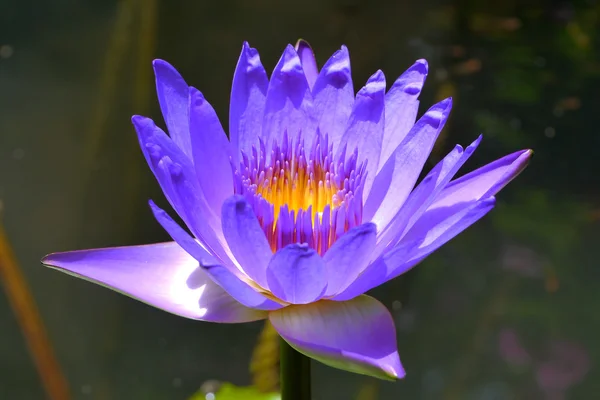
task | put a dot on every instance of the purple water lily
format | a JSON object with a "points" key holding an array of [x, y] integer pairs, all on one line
{"points": [[308, 205]]}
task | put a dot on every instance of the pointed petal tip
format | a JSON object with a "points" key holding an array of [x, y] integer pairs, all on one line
{"points": [[143, 125], [47, 260], [375, 84], [289, 48], [356, 335], [438, 113], [523, 160], [443, 106], [160, 63], [394, 372], [289, 63], [153, 205], [412, 80], [420, 66], [60, 260], [248, 50], [302, 43], [249, 59], [165, 70], [489, 202], [473, 146], [377, 76], [519, 160]]}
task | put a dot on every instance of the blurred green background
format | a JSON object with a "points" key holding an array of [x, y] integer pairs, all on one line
{"points": [[508, 310]]}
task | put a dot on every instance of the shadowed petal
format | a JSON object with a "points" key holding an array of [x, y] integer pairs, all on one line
{"points": [[401, 107], [374, 275], [435, 228], [366, 126], [289, 102], [211, 151], [334, 97], [162, 275], [247, 106], [349, 256], [246, 238], [309, 63], [485, 181], [238, 286], [397, 178], [357, 335], [297, 274], [176, 176], [431, 231], [173, 98], [424, 194], [179, 235], [160, 150], [245, 294]]}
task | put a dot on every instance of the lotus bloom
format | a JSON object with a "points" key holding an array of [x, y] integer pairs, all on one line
{"points": [[308, 204]]}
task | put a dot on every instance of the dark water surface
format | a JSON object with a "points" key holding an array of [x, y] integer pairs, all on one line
{"points": [[509, 310]]}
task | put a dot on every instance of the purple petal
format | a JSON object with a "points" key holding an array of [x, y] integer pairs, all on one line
{"points": [[366, 126], [334, 96], [348, 257], [239, 290], [289, 102], [435, 228], [247, 106], [211, 151], [372, 276], [173, 98], [401, 106], [238, 286], [162, 275], [357, 335], [397, 178], [297, 274], [309, 63], [179, 235], [176, 176], [246, 238], [431, 231], [485, 181], [425, 193], [159, 150]]}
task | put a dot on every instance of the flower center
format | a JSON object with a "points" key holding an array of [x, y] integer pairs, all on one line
{"points": [[302, 196]]}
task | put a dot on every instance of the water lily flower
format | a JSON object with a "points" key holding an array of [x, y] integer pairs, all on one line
{"points": [[306, 205]]}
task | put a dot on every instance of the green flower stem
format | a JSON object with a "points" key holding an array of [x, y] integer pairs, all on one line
{"points": [[295, 374]]}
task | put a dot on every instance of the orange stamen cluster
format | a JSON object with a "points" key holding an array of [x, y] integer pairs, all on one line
{"points": [[302, 196]]}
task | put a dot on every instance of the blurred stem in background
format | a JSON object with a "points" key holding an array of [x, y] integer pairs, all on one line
{"points": [[31, 324], [117, 50], [264, 365], [129, 51], [295, 373]]}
